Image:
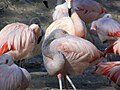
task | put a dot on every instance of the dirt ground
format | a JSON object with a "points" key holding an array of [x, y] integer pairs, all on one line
{"points": [[24, 12]]}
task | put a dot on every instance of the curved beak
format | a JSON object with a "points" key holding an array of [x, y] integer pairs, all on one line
{"points": [[45, 3], [69, 7]]}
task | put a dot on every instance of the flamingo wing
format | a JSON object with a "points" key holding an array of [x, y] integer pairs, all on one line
{"points": [[110, 70]]}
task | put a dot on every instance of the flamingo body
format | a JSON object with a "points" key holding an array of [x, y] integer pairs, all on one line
{"points": [[19, 40], [68, 54], [106, 28]]}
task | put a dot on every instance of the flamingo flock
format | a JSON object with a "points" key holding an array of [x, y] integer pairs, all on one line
{"points": [[65, 49]]}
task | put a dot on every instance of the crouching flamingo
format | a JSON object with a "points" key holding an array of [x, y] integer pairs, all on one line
{"points": [[65, 54]]}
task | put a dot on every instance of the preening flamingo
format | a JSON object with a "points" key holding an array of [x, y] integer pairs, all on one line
{"points": [[12, 77], [110, 70], [73, 25], [65, 54], [20, 41], [87, 10]]}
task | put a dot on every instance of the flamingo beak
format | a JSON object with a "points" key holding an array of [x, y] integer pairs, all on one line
{"points": [[69, 8], [45, 3]]}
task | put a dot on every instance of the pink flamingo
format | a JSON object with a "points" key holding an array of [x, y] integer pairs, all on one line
{"points": [[65, 54], [20, 41]]}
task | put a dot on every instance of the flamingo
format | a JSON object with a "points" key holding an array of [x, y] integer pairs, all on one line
{"points": [[110, 70], [12, 77], [87, 10], [20, 41], [65, 54], [106, 28], [73, 25]]}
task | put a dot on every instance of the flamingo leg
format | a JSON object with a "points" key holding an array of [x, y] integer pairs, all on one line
{"points": [[65, 82], [60, 80], [71, 83]]}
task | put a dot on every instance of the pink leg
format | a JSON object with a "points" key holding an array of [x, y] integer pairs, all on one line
{"points": [[60, 80]]}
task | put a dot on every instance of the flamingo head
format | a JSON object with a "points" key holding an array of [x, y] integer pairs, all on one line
{"points": [[37, 31], [45, 3]]}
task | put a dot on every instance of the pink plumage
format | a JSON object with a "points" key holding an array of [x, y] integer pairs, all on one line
{"points": [[110, 70]]}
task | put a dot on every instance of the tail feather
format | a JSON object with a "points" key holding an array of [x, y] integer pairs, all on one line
{"points": [[5, 48]]}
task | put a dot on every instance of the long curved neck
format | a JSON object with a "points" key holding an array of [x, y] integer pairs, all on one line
{"points": [[46, 47], [54, 61]]}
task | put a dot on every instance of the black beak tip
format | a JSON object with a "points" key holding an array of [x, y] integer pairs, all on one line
{"points": [[69, 12], [46, 3]]}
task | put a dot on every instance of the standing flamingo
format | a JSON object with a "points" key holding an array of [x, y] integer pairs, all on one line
{"points": [[65, 54], [110, 70], [20, 41], [87, 10], [12, 77], [73, 25]]}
